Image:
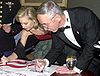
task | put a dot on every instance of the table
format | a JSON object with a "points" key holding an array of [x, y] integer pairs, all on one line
{"points": [[21, 68], [84, 73]]}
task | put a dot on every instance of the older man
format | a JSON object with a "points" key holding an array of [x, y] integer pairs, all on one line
{"points": [[77, 28]]}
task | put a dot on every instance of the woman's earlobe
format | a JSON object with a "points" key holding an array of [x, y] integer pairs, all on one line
{"points": [[34, 22]]}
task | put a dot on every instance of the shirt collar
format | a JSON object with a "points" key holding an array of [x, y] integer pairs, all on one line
{"points": [[67, 19]]}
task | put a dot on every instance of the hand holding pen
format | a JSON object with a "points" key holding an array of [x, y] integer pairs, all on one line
{"points": [[40, 65]]}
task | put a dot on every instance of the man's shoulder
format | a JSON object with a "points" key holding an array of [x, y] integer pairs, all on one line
{"points": [[80, 10]]}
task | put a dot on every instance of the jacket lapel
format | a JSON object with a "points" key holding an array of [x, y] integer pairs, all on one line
{"points": [[77, 35], [75, 27], [65, 39]]}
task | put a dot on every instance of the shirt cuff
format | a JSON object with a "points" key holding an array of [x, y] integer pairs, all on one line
{"points": [[77, 70], [47, 62]]}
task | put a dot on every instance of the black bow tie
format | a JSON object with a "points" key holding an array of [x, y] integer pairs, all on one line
{"points": [[63, 28]]}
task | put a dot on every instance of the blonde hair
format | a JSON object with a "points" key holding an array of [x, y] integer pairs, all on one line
{"points": [[27, 11]]}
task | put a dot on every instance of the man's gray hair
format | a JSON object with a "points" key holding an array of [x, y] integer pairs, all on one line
{"points": [[49, 7]]}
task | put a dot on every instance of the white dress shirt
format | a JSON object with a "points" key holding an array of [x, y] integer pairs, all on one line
{"points": [[68, 32]]}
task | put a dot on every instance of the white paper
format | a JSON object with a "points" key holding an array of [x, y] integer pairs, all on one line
{"points": [[26, 71]]}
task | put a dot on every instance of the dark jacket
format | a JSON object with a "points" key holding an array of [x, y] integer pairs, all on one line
{"points": [[87, 24], [7, 42]]}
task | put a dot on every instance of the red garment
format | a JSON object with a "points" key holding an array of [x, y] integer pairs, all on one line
{"points": [[47, 36]]}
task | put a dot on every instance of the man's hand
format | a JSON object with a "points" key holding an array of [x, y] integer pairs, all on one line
{"points": [[40, 65], [6, 27], [0, 26], [64, 70]]}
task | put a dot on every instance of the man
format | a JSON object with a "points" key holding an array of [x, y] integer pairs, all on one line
{"points": [[8, 10], [81, 33]]}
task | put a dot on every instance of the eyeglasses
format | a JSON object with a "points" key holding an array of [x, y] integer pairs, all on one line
{"points": [[45, 25]]}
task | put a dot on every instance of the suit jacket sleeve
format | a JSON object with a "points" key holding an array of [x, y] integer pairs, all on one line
{"points": [[20, 51], [56, 49]]}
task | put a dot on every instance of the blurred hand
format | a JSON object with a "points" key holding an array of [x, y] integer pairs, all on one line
{"points": [[25, 33], [64, 70], [40, 65], [4, 60], [7, 27], [0, 25]]}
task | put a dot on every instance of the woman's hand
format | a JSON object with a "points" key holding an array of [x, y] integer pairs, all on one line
{"points": [[25, 33], [4, 60]]}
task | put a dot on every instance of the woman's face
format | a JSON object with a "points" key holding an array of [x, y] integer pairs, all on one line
{"points": [[26, 22]]}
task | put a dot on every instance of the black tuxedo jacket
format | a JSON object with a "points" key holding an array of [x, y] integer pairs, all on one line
{"points": [[85, 26]]}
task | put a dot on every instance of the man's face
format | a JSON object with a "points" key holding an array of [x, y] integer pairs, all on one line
{"points": [[49, 24]]}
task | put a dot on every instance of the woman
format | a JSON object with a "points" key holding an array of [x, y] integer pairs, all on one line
{"points": [[27, 17]]}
